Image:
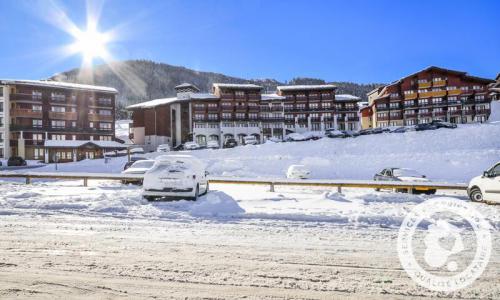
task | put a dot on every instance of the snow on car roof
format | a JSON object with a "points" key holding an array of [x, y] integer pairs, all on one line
{"points": [[60, 84]]}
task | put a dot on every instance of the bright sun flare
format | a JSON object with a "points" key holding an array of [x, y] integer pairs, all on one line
{"points": [[91, 44]]}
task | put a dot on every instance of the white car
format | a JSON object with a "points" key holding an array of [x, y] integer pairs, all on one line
{"points": [[137, 150], [191, 146], [250, 140], [163, 148], [487, 186], [298, 172], [139, 167], [213, 145], [180, 176]]}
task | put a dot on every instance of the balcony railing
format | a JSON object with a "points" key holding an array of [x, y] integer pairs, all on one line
{"points": [[433, 94], [424, 114], [455, 112], [454, 92], [412, 115], [469, 112], [272, 119], [25, 113], [213, 108], [382, 118], [411, 96], [382, 108], [240, 107], [483, 111], [440, 113], [27, 97], [424, 85], [70, 116], [97, 118], [199, 108], [439, 83]]}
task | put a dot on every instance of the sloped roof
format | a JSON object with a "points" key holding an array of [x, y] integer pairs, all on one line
{"points": [[186, 85], [59, 84], [164, 101], [77, 144], [268, 97], [245, 86], [306, 87], [347, 97]]}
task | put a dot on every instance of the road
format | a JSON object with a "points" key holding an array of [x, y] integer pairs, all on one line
{"points": [[61, 256]]}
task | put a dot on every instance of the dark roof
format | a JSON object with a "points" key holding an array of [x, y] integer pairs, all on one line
{"points": [[186, 85]]}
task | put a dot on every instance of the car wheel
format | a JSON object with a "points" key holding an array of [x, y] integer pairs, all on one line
{"points": [[476, 195], [196, 193], [149, 198]]}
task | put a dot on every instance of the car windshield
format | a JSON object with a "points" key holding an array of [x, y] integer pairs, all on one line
{"points": [[406, 173], [143, 164]]}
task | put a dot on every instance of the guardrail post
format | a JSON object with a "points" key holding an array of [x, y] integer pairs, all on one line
{"points": [[28, 180], [339, 189], [271, 187], [85, 182]]}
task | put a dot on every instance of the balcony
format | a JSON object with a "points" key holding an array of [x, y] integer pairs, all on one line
{"points": [[424, 85], [440, 113], [352, 119], [424, 114], [240, 107], [468, 112], [213, 108], [454, 92], [25, 97], [253, 98], [70, 116], [439, 83], [272, 119], [199, 108], [457, 112], [227, 107], [412, 105], [381, 108], [253, 108], [409, 116], [483, 111], [227, 96], [276, 108], [315, 119], [383, 118], [411, 96], [34, 142], [98, 118], [432, 94], [26, 113]]}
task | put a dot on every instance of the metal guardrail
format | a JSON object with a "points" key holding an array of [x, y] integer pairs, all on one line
{"points": [[271, 182], [71, 176]]}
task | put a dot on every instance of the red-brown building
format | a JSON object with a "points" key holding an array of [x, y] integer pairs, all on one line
{"points": [[35, 111], [431, 94]]}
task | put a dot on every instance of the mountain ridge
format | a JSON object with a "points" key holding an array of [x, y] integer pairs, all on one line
{"points": [[143, 80]]}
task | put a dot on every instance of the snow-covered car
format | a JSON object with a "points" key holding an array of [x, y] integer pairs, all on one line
{"points": [[487, 186], [404, 174], [191, 146], [139, 167], [213, 144], [443, 124], [163, 148], [137, 150], [133, 159], [334, 133], [295, 137], [230, 143], [180, 176], [298, 172], [250, 140]]}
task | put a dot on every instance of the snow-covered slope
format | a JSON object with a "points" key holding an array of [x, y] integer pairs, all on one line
{"points": [[445, 154]]}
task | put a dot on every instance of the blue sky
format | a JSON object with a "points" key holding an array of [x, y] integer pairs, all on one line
{"points": [[359, 41]]}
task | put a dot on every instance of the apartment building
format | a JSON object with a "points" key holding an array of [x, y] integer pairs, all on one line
{"points": [[430, 94], [238, 110], [38, 119], [495, 89]]}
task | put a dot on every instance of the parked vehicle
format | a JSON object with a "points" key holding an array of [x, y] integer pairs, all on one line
{"points": [[163, 148], [333, 133], [295, 137], [401, 129], [487, 186], [191, 146], [213, 144], [443, 124], [16, 161], [250, 140], [138, 167], [230, 143], [298, 172], [138, 150], [133, 159], [404, 174], [426, 126], [366, 131], [351, 133], [175, 176]]}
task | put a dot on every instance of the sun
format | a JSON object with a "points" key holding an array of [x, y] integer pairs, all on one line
{"points": [[91, 44]]}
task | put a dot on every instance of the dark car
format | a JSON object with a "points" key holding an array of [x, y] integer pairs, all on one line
{"points": [[443, 124], [16, 161], [178, 147], [132, 161], [404, 174], [426, 126], [366, 131], [230, 143]]}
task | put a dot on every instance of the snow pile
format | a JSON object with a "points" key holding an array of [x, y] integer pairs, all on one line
{"points": [[216, 204]]}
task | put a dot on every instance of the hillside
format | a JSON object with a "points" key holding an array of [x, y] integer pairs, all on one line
{"points": [[141, 80]]}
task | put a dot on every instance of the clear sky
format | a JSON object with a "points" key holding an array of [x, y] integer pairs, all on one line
{"points": [[360, 41]]}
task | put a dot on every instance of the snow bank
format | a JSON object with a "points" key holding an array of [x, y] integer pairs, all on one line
{"points": [[216, 204]]}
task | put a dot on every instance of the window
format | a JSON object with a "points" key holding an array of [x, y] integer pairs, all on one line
{"points": [[105, 112], [91, 124], [464, 88], [409, 92], [240, 115], [252, 116], [36, 95], [300, 106], [1, 140], [199, 117], [326, 105], [59, 137], [64, 155], [105, 126], [37, 136], [37, 123], [199, 106], [58, 97], [213, 116], [73, 137], [437, 100], [226, 115], [37, 108], [450, 88], [477, 87], [313, 105], [105, 138], [392, 105], [57, 124], [479, 97], [212, 105], [73, 124], [58, 108], [240, 93], [37, 153], [104, 101], [452, 98], [423, 101], [326, 96]]}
